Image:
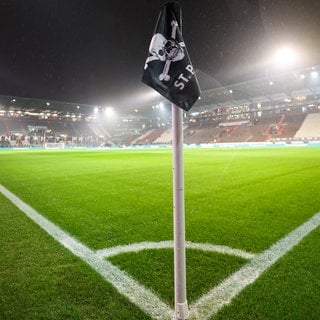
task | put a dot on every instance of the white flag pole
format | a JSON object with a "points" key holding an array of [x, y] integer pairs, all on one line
{"points": [[180, 288]]}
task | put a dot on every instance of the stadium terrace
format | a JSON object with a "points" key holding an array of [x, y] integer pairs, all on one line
{"points": [[285, 108]]}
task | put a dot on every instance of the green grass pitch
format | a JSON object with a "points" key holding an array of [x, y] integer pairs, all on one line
{"points": [[241, 198]]}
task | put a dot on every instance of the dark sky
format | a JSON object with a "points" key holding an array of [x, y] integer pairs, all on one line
{"points": [[93, 52]]}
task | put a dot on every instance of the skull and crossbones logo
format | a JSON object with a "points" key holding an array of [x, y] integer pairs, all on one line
{"points": [[165, 50]]}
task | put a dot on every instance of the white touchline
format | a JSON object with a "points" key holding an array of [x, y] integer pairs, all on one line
{"points": [[209, 304], [212, 302], [130, 288]]}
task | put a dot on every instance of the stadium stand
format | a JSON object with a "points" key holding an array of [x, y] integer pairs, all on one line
{"points": [[165, 137], [290, 125], [310, 128], [202, 134], [239, 133], [253, 111], [15, 126], [149, 137], [3, 128], [97, 130]]}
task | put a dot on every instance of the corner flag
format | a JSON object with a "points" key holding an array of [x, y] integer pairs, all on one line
{"points": [[168, 68]]}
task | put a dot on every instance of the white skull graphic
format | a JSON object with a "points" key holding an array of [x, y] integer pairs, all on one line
{"points": [[163, 49]]}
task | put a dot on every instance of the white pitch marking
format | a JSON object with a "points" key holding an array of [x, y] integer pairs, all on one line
{"points": [[210, 303], [220, 249], [136, 247], [130, 288]]}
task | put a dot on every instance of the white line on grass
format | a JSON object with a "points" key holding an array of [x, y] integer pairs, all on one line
{"points": [[209, 304], [130, 288], [221, 295], [135, 247]]}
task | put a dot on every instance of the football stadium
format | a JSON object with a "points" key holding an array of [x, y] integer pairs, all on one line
{"points": [[152, 187], [86, 205], [283, 109]]}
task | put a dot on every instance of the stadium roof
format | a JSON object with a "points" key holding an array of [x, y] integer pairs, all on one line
{"points": [[289, 85]]}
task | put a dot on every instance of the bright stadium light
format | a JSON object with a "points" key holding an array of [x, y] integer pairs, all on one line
{"points": [[314, 74], [109, 112], [285, 56]]}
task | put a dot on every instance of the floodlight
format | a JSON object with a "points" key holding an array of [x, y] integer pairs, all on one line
{"points": [[314, 74], [109, 112], [285, 56]]}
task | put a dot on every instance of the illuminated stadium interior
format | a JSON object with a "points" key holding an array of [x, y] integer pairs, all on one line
{"points": [[266, 109]]}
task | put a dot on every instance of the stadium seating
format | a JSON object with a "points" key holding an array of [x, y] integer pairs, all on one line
{"points": [[289, 125], [310, 127]]}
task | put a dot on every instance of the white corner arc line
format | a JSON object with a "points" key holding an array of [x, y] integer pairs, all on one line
{"points": [[208, 305], [136, 247], [220, 249], [130, 288], [221, 295]]}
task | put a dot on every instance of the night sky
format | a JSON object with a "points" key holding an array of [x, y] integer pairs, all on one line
{"points": [[94, 51]]}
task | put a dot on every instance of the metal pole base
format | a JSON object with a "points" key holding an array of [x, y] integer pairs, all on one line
{"points": [[182, 311]]}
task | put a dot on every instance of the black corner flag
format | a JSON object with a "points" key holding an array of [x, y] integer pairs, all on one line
{"points": [[168, 68]]}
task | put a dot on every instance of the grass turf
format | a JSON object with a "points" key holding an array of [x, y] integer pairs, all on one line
{"points": [[242, 198], [39, 279]]}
